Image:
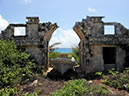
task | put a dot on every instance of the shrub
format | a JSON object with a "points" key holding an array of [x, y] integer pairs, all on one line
{"points": [[81, 87], [98, 73], [117, 79], [7, 91], [75, 53], [15, 66], [33, 94], [53, 55]]}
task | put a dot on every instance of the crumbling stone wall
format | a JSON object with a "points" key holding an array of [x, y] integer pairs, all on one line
{"points": [[35, 40], [93, 39]]}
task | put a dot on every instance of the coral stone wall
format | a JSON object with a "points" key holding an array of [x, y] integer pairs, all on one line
{"points": [[35, 40], [91, 33]]}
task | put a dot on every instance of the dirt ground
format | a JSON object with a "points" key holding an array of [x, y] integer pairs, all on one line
{"points": [[54, 80]]}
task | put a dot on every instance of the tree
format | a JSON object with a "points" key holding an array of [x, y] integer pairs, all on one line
{"points": [[52, 47]]}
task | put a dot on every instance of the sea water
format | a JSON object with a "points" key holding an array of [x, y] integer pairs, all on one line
{"points": [[63, 50]]}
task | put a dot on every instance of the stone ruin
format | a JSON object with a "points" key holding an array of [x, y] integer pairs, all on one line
{"points": [[36, 39], [98, 51]]}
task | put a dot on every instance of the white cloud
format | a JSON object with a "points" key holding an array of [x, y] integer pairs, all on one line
{"points": [[3, 23], [68, 38], [17, 30], [27, 1], [91, 10]]}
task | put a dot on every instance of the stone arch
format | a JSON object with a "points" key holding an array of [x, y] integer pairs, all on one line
{"points": [[92, 40]]}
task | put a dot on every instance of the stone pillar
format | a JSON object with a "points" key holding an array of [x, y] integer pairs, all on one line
{"points": [[32, 26]]}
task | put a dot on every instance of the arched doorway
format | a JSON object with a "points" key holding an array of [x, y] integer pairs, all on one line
{"points": [[67, 38]]}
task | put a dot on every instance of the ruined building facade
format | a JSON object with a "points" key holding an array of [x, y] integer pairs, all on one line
{"points": [[36, 39], [98, 51]]}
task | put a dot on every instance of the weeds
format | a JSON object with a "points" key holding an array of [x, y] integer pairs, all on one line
{"points": [[117, 79], [81, 87]]}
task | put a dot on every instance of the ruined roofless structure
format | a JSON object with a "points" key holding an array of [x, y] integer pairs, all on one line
{"points": [[36, 38], [98, 52]]}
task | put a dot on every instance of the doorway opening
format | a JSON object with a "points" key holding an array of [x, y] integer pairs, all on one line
{"points": [[109, 57], [63, 56]]}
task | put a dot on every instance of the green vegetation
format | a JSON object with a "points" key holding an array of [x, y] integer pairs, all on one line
{"points": [[75, 54], [52, 47], [81, 87], [117, 79], [7, 91], [53, 55], [33, 94], [16, 68]]}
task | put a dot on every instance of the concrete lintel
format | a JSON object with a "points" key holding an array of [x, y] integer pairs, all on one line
{"points": [[18, 25], [96, 16], [32, 17], [109, 23]]}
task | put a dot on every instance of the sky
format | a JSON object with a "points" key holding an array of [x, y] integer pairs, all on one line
{"points": [[65, 13]]}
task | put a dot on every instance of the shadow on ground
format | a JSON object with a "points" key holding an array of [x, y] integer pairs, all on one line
{"points": [[55, 75]]}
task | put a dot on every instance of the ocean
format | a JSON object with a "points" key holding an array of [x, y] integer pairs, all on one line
{"points": [[63, 50]]}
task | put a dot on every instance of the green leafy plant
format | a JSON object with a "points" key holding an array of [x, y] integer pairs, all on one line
{"points": [[117, 79], [81, 87], [75, 53], [32, 94], [16, 67], [53, 55], [8, 91], [113, 71], [98, 73]]}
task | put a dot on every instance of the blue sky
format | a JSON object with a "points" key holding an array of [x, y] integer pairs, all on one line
{"points": [[65, 13]]}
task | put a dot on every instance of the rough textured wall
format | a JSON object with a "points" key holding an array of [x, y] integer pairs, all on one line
{"points": [[35, 40], [120, 59], [96, 60], [91, 33], [36, 52]]}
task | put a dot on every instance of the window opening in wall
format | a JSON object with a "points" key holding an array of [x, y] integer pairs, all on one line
{"points": [[19, 31], [109, 30], [109, 55]]}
